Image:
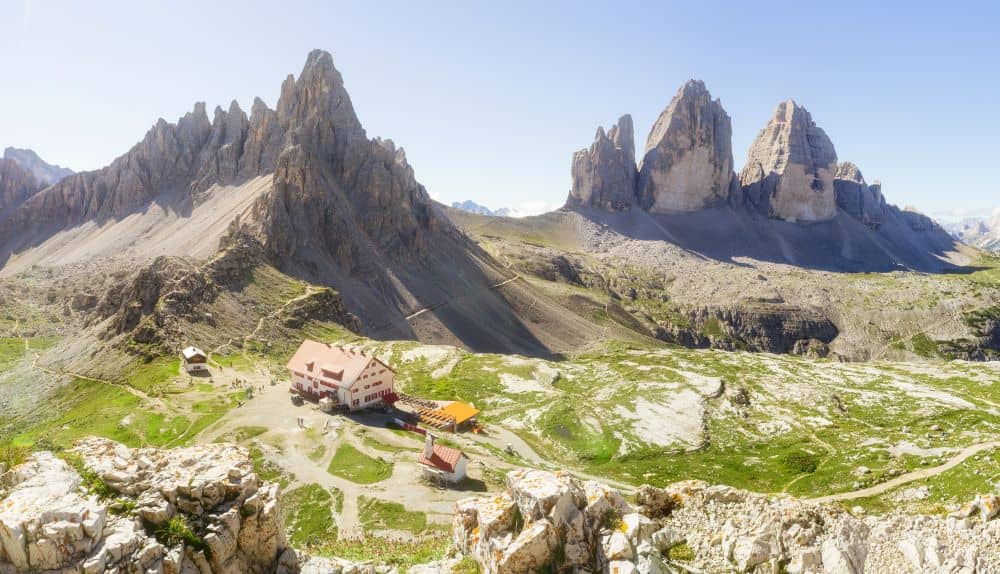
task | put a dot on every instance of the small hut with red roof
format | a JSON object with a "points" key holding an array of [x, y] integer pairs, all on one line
{"points": [[442, 464]]}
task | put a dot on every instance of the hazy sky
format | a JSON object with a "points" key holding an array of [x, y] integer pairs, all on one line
{"points": [[490, 99]]}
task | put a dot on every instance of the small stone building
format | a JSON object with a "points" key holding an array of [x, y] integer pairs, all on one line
{"points": [[195, 360]]}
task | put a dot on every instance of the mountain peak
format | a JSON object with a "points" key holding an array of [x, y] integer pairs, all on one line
{"points": [[790, 167], [604, 174], [689, 157]]}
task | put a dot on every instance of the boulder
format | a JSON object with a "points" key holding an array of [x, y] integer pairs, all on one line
{"points": [[847, 550], [532, 550], [603, 503], [536, 492]]}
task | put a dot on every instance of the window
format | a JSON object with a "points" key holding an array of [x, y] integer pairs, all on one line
{"points": [[355, 403]]}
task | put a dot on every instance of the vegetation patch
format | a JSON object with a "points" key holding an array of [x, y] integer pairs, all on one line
{"points": [[351, 464], [241, 434], [152, 377], [924, 346], [376, 444], [401, 553], [799, 461], [308, 516], [177, 531], [379, 514], [317, 453], [680, 552], [267, 470]]}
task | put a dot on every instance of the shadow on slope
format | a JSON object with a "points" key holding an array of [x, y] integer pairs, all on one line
{"points": [[842, 244]]}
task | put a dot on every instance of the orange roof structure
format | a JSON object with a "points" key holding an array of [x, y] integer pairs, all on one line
{"points": [[460, 411], [443, 458]]}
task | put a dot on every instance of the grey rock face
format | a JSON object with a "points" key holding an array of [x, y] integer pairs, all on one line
{"points": [[16, 184], [859, 200], [313, 142], [165, 160], [604, 175], [688, 162], [790, 169], [45, 173]]}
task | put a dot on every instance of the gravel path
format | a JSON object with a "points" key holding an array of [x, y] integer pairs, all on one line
{"points": [[910, 476]]}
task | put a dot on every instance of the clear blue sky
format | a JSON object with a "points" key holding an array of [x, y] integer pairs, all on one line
{"points": [[490, 99]]}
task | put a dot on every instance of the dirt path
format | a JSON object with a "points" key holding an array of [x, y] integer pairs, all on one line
{"points": [[910, 476], [289, 446], [260, 322], [500, 437], [127, 387], [885, 348], [830, 453], [502, 283]]}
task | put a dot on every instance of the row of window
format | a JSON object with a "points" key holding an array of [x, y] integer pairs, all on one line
{"points": [[373, 396]]}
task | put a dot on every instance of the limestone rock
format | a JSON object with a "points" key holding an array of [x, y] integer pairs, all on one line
{"points": [[537, 492], [688, 161], [856, 198], [790, 169], [604, 176], [532, 550], [49, 522]]}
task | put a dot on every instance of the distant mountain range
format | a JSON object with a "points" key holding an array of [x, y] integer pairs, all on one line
{"points": [[983, 232], [304, 189], [470, 206]]}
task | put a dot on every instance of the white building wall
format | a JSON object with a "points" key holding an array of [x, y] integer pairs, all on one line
{"points": [[371, 385]]}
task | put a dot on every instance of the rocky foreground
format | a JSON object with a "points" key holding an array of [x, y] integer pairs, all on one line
{"points": [[553, 522], [106, 508]]}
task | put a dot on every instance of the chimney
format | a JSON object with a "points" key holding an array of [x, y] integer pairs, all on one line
{"points": [[429, 446]]}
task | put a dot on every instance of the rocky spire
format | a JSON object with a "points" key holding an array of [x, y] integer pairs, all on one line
{"points": [[688, 161], [790, 168], [856, 198], [221, 155], [319, 96], [604, 175]]}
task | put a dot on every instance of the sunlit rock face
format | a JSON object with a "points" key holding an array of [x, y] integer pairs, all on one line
{"points": [[790, 169], [688, 162]]}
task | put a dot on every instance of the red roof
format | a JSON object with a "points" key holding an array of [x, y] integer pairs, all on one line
{"points": [[443, 458]]}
